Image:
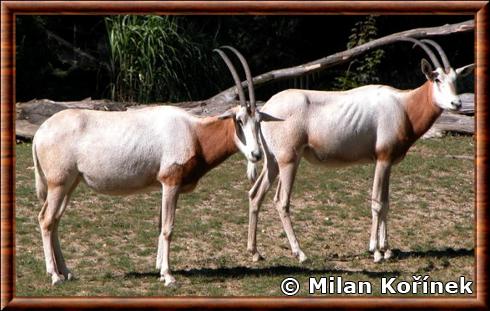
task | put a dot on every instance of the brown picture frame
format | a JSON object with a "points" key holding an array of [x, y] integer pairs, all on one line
{"points": [[9, 9]]}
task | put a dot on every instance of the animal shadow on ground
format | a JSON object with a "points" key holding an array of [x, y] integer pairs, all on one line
{"points": [[234, 272], [440, 253], [399, 254], [280, 270]]}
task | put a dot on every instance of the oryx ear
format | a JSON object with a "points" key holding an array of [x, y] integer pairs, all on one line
{"points": [[226, 115], [427, 70], [465, 70], [261, 116]]}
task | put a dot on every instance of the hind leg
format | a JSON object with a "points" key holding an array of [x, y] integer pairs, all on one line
{"points": [[47, 223], [287, 173], [60, 261]]}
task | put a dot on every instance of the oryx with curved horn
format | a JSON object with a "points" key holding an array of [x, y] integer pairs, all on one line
{"points": [[373, 123], [121, 153]]}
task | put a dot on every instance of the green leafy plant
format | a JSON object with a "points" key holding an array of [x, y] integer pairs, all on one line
{"points": [[152, 59], [363, 70]]}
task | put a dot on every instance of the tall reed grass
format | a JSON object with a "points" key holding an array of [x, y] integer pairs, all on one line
{"points": [[153, 58]]}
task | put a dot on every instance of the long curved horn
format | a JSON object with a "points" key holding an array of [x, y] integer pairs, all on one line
{"points": [[251, 92], [241, 94], [429, 53], [443, 55]]}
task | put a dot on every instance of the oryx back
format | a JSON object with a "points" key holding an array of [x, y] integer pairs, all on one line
{"points": [[335, 128]]}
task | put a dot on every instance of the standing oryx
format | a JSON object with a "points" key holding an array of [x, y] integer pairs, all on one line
{"points": [[370, 123], [132, 151]]}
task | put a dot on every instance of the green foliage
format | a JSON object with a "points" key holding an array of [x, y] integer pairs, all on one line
{"points": [[178, 63], [152, 59], [363, 70]]}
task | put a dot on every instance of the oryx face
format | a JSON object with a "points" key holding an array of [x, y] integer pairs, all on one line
{"points": [[443, 78], [444, 85], [246, 132]]}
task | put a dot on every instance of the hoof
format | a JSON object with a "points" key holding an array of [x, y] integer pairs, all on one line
{"points": [[56, 280], [70, 276], [372, 246], [169, 281], [377, 256], [301, 257], [388, 254], [257, 257]]}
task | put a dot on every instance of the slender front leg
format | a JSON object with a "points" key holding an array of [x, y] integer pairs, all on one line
{"points": [[383, 225], [379, 209], [287, 173], [159, 246], [383, 232], [169, 202], [256, 196]]}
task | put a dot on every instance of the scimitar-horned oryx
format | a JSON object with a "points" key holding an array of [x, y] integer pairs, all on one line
{"points": [[373, 123], [122, 153]]}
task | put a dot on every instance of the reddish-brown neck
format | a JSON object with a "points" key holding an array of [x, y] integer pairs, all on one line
{"points": [[421, 111], [216, 139]]}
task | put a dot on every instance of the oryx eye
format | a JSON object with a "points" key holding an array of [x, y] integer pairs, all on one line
{"points": [[437, 80], [239, 122]]}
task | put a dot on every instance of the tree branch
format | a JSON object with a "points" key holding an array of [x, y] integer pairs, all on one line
{"points": [[342, 57]]}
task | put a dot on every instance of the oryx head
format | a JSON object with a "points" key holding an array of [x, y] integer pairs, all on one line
{"points": [[245, 116], [443, 78]]}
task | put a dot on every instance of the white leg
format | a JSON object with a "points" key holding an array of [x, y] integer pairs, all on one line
{"points": [[373, 243], [60, 260], [47, 222], [379, 208], [256, 197], [169, 202], [383, 226], [160, 242], [287, 173]]}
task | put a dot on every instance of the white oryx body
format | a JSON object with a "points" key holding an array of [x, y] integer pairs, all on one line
{"points": [[150, 143], [372, 123], [134, 151], [335, 128]]}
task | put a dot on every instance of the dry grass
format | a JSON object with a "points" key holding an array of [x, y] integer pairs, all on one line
{"points": [[110, 242]]}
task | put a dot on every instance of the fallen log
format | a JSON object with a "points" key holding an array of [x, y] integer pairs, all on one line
{"points": [[37, 111], [450, 122], [468, 100], [30, 115]]}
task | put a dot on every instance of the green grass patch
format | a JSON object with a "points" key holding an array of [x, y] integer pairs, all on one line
{"points": [[110, 242]]}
